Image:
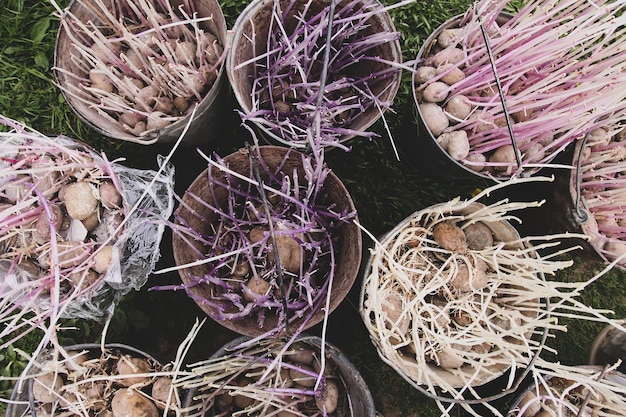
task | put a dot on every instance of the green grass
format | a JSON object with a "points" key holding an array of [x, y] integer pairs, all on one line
{"points": [[384, 190]]}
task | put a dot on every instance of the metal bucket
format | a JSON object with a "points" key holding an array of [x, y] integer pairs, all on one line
{"points": [[419, 146], [22, 403], [490, 382], [249, 40], [196, 213], [561, 384], [211, 110], [358, 399], [608, 347]]}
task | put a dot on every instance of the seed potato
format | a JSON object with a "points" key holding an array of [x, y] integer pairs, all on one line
{"points": [[329, 399], [449, 236], [127, 366], [80, 200], [130, 403], [47, 387], [434, 117]]}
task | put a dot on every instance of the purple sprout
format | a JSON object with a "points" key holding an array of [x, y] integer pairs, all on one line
{"points": [[227, 245], [361, 75]]}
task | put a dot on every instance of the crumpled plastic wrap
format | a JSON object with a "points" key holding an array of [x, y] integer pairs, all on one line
{"points": [[147, 202], [139, 242]]}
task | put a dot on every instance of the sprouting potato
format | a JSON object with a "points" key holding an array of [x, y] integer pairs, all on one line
{"points": [[181, 104], [457, 144], [449, 236], [42, 226], [449, 55], [69, 254], [302, 355], [47, 387], [424, 74], [476, 161], [148, 95], [164, 104], [458, 107], [157, 120], [161, 389], [257, 234], [242, 269], [434, 118], [470, 278], [102, 258], [109, 195], [504, 156], [534, 153], [224, 401], [329, 399], [435, 92], [100, 80], [448, 37], [185, 51], [85, 278], [242, 400], [392, 308], [127, 366], [91, 222], [289, 253], [130, 403], [256, 286], [80, 200], [449, 358], [451, 73], [478, 236], [303, 375]]}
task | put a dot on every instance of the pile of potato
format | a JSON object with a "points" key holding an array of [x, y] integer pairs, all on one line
{"points": [[60, 208], [443, 111], [113, 383], [451, 297], [457, 279], [147, 73], [256, 386], [602, 185]]}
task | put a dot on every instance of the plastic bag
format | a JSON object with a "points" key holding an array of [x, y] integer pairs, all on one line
{"points": [[37, 278]]}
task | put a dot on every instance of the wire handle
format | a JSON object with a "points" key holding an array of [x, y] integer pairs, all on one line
{"points": [[507, 117], [580, 214]]}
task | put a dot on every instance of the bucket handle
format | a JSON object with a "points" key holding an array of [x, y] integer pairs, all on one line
{"points": [[507, 116], [580, 214]]}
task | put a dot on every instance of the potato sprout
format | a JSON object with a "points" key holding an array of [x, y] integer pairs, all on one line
{"points": [[454, 298], [137, 66], [263, 236], [567, 391], [57, 236], [290, 88], [67, 216], [522, 87], [269, 377]]}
